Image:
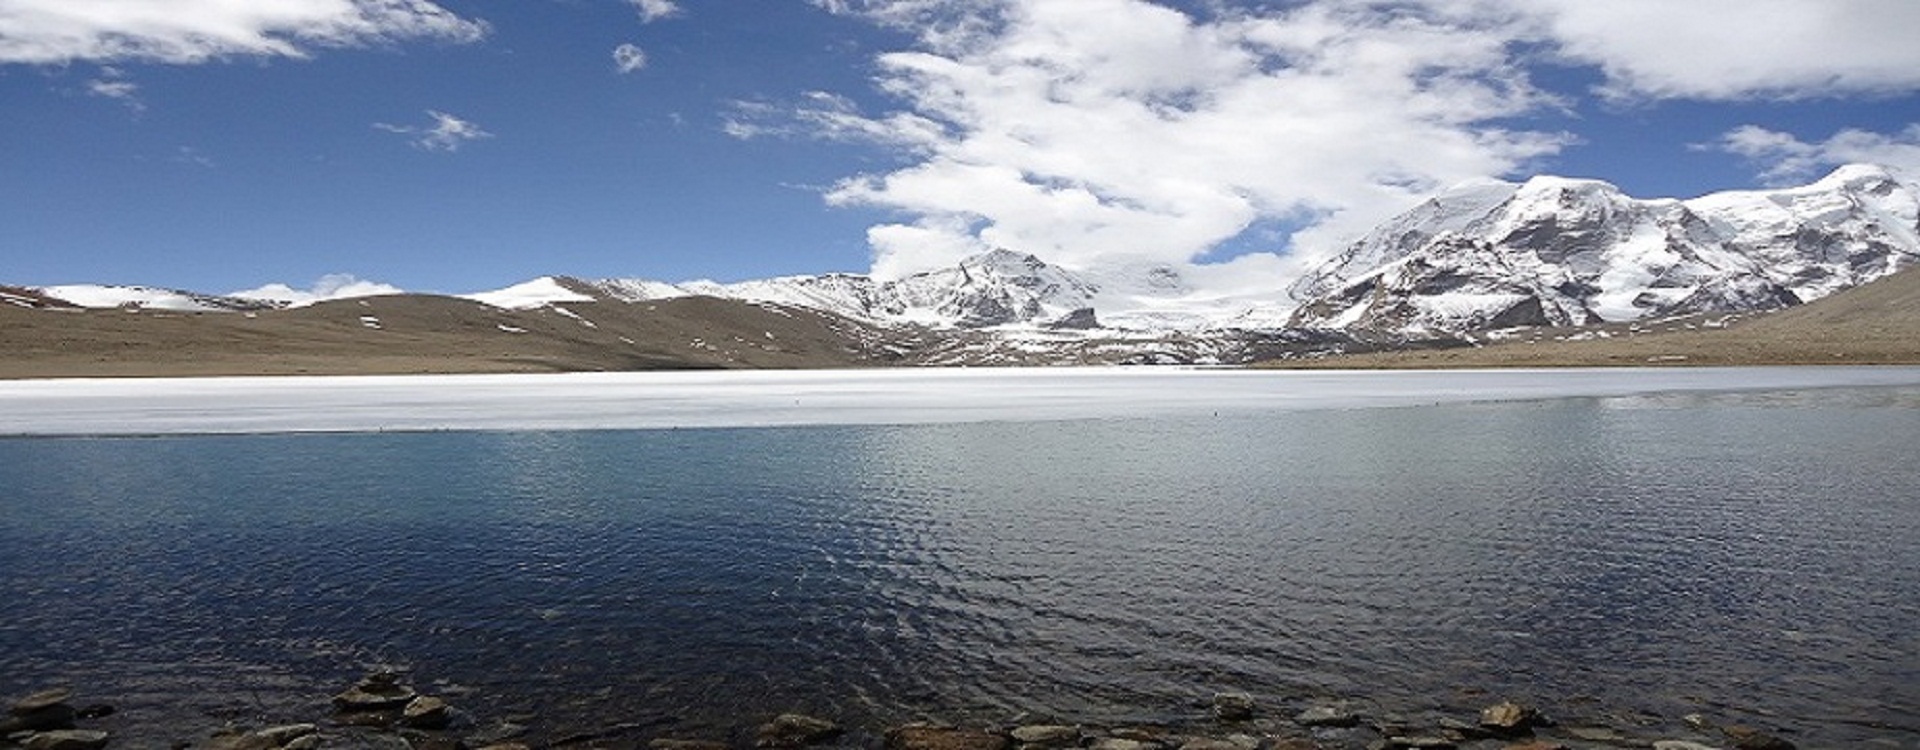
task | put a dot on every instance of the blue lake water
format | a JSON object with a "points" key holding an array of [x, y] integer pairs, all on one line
{"points": [[1748, 556]]}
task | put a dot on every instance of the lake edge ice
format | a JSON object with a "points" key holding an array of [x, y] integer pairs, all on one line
{"points": [[766, 398]]}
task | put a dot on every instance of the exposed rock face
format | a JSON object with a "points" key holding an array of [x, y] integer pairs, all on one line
{"points": [[1555, 251]]}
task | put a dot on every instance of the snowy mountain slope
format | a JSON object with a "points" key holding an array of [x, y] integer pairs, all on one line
{"points": [[101, 296], [1556, 251]]}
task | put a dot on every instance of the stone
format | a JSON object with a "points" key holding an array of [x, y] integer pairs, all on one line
{"points": [[506, 746], [1326, 716], [1681, 745], [1748, 738], [1233, 706], [66, 739], [281, 735], [1697, 722], [54, 716], [309, 742], [1209, 743], [943, 738], [1123, 743], [427, 712], [1537, 745], [795, 730], [368, 696], [39, 701], [1420, 742], [1506, 717], [1294, 743], [673, 744], [1050, 735]]}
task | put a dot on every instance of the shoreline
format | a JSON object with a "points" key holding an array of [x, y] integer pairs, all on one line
{"points": [[384, 710]]}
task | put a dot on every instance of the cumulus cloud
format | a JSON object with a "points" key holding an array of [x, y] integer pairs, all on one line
{"points": [[1787, 159], [1730, 49], [447, 133], [654, 10], [1091, 130], [1095, 130], [194, 31], [628, 58], [329, 287]]}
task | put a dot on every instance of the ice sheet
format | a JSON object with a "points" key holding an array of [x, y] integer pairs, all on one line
{"points": [[765, 398]]}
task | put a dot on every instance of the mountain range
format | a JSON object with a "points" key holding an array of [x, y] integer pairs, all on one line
{"points": [[1551, 252]]}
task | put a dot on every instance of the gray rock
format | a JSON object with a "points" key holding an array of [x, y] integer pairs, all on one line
{"points": [[281, 735], [67, 739], [427, 712], [1420, 743], [1747, 738], [309, 742], [1122, 743], [1681, 745], [1326, 716], [795, 730], [1051, 735], [39, 701], [373, 697], [1233, 706], [1209, 743]]}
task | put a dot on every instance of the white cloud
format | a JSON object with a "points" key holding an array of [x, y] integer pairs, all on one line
{"points": [[194, 31], [329, 287], [1095, 130], [118, 89], [1731, 49], [1788, 159], [654, 10], [448, 133], [628, 58]]}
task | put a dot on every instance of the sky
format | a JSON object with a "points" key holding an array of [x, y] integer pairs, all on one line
{"points": [[341, 146]]}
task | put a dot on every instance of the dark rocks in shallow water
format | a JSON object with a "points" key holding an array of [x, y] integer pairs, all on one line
{"points": [[44, 710], [1233, 706], [795, 730], [1326, 716], [66, 739], [943, 738], [1419, 742], [1047, 735]]}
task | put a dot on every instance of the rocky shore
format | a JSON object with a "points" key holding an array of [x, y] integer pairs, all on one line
{"points": [[383, 712]]}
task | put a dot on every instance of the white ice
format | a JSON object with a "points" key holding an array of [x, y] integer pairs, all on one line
{"points": [[765, 398]]}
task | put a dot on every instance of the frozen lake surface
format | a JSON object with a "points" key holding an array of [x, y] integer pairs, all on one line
{"points": [[843, 397]]}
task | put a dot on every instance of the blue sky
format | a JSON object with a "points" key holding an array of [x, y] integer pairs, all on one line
{"points": [[464, 145]]}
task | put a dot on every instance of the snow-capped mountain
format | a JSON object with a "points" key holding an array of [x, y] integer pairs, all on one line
{"points": [[992, 289], [1557, 251], [102, 296]]}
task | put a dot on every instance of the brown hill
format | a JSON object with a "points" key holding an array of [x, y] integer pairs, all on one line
{"points": [[1875, 323], [423, 334]]}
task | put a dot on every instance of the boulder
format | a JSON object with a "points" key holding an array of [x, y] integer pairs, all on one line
{"points": [[943, 738], [379, 691], [795, 730], [1233, 706], [427, 712], [1048, 735], [66, 739], [1506, 717], [56, 716]]}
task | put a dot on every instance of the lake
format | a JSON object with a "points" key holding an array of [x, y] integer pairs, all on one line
{"points": [[1746, 553]]}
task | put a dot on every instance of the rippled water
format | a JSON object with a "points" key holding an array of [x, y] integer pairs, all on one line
{"points": [[1751, 556]]}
